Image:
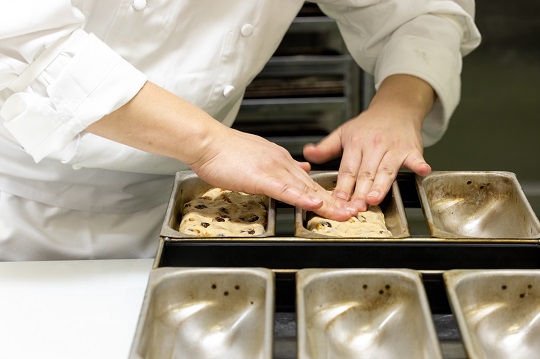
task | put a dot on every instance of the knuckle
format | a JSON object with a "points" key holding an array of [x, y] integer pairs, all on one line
{"points": [[366, 176], [386, 171], [346, 173], [285, 189]]}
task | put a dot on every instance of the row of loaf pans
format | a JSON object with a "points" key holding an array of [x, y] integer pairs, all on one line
{"points": [[457, 205], [341, 313]]}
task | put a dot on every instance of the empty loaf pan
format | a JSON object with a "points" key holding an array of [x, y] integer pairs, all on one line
{"points": [[476, 205], [188, 186], [497, 312], [364, 313], [391, 207], [206, 313]]}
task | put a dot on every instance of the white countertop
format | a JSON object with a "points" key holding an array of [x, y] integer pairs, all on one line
{"points": [[70, 309]]}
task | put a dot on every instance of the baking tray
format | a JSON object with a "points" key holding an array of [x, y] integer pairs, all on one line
{"points": [[497, 312], [286, 255], [474, 204], [392, 208], [364, 313], [188, 186], [202, 313]]}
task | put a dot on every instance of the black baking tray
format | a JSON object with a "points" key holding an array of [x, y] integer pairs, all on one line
{"points": [[285, 256], [431, 259]]}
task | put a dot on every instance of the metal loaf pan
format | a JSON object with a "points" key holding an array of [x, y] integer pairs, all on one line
{"points": [[201, 313], [497, 312], [392, 208], [188, 186], [364, 313], [476, 205]]}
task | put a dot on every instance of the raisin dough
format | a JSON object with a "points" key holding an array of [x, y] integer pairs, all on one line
{"points": [[223, 213], [366, 224]]}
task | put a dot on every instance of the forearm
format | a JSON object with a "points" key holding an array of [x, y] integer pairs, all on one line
{"points": [[159, 122]]}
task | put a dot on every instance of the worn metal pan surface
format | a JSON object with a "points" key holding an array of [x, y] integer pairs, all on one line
{"points": [[206, 313], [188, 186], [392, 208], [497, 312], [364, 313], [476, 205]]}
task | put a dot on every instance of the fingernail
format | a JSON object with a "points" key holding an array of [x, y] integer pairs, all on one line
{"points": [[374, 194]]}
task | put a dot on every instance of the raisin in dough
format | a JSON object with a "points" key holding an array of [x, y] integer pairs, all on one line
{"points": [[366, 224], [223, 213]]}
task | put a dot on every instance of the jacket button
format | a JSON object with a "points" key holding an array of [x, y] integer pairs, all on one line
{"points": [[246, 30], [227, 90], [139, 4]]}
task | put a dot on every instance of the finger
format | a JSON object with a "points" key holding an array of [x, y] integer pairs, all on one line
{"points": [[416, 163], [300, 170], [334, 209], [292, 191], [384, 178], [364, 182], [304, 165], [305, 197], [347, 173], [387, 173], [293, 170], [326, 150]]}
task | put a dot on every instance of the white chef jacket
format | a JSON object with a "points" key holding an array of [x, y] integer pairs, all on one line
{"points": [[64, 64]]}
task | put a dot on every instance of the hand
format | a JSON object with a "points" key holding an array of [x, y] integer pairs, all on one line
{"points": [[248, 163], [378, 142], [160, 122]]}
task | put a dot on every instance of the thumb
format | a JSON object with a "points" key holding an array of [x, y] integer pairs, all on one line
{"points": [[326, 150]]}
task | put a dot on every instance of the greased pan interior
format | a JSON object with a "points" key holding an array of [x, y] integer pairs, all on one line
{"points": [[497, 312], [476, 205], [364, 313], [201, 313]]}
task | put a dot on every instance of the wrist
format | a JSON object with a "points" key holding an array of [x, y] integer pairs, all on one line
{"points": [[404, 96], [160, 122]]}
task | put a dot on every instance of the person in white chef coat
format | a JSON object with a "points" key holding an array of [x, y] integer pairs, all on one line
{"points": [[103, 101]]}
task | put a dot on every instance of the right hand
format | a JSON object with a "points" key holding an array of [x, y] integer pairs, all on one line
{"points": [[248, 163], [160, 122]]}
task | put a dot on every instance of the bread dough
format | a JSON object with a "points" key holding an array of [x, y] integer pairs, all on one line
{"points": [[224, 213], [366, 224]]}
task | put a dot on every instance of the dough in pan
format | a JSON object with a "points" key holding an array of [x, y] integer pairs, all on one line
{"points": [[367, 224], [223, 213]]}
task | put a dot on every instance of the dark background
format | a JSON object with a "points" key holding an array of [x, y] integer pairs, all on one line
{"points": [[497, 124]]}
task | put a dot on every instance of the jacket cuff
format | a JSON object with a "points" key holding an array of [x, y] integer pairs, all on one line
{"points": [[437, 65], [87, 81]]}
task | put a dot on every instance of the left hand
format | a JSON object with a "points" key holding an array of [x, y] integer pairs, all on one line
{"points": [[378, 142]]}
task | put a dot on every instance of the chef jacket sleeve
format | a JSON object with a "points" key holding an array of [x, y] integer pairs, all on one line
{"points": [[56, 80], [423, 38]]}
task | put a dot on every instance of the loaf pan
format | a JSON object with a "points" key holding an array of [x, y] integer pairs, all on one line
{"points": [[476, 205], [497, 312], [202, 313], [364, 313], [188, 186], [392, 208]]}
